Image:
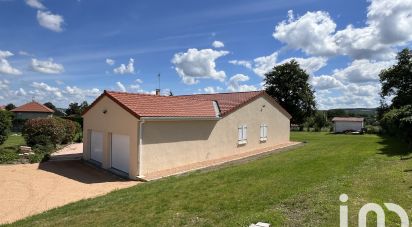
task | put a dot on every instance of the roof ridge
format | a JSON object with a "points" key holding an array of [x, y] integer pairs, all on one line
{"points": [[223, 93]]}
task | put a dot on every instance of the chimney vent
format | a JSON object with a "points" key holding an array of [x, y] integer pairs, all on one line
{"points": [[158, 92]]}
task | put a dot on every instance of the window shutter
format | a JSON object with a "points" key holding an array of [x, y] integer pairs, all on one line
{"points": [[240, 134], [244, 132], [262, 133], [265, 131]]}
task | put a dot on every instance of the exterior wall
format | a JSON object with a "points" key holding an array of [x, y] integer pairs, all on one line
{"points": [[168, 144], [341, 126], [31, 115], [116, 120]]}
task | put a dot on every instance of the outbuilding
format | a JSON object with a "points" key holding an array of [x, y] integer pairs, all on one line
{"points": [[342, 124], [140, 134], [32, 110]]}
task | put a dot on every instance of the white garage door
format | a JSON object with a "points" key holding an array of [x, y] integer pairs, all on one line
{"points": [[120, 152], [96, 146]]}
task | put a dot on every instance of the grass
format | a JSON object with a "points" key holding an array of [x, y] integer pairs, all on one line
{"points": [[9, 149], [300, 187]]}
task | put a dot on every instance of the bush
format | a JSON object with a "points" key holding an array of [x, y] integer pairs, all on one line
{"points": [[370, 129], [50, 131], [5, 125]]}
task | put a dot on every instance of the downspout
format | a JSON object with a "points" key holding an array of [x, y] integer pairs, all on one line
{"points": [[139, 156]]}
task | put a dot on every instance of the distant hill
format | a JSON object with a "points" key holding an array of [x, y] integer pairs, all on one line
{"points": [[368, 113], [359, 111]]}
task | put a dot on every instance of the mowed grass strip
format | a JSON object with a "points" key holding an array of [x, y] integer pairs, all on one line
{"points": [[300, 187]]}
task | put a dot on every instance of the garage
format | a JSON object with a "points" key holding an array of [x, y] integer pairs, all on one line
{"points": [[120, 152], [96, 146]]}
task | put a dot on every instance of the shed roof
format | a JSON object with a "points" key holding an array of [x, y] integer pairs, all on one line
{"points": [[185, 106], [348, 119], [33, 106]]}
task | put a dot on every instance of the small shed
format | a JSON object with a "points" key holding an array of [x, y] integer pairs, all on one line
{"points": [[342, 124]]}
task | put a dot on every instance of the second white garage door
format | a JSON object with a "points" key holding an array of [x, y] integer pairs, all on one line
{"points": [[96, 146], [120, 152]]}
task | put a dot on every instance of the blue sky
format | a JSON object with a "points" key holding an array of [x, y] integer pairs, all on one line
{"points": [[70, 51]]}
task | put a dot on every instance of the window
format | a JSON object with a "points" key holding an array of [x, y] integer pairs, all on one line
{"points": [[263, 132], [242, 134]]}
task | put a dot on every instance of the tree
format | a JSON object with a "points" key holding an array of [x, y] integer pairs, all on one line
{"points": [[76, 109], [10, 106], [396, 117], [5, 125], [288, 84], [50, 105]]}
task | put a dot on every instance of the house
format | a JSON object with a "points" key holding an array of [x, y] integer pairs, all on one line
{"points": [[32, 110], [342, 124], [139, 134]]}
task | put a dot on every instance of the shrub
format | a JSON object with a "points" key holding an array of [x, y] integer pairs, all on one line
{"points": [[43, 131], [5, 125], [71, 130]]}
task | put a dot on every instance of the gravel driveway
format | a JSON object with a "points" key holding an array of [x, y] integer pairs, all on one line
{"points": [[28, 189]]}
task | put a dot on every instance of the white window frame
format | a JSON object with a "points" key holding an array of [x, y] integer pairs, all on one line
{"points": [[263, 132], [242, 134]]}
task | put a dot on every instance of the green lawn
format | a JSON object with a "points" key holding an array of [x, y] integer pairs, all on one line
{"points": [[299, 187], [9, 149]]}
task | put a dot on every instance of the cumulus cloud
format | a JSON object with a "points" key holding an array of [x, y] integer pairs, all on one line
{"points": [[110, 61], [42, 88], [388, 25], [120, 86], [264, 64], [244, 63], [48, 66], [234, 83], [198, 64], [325, 82], [361, 71], [50, 21], [211, 89], [5, 67], [310, 65], [125, 69], [218, 44], [35, 4]]}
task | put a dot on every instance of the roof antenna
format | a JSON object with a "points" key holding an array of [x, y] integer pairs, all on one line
{"points": [[158, 81], [32, 99]]}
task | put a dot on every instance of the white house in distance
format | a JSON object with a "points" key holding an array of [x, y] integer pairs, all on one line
{"points": [[140, 134], [342, 124]]}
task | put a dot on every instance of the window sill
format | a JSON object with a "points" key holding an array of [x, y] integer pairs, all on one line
{"points": [[242, 142]]}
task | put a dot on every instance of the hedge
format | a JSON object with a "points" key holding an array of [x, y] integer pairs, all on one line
{"points": [[5, 125], [49, 131]]}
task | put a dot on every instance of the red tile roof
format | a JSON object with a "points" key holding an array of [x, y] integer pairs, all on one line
{"points": [[349, 119], [33, 107], [192, 106]]}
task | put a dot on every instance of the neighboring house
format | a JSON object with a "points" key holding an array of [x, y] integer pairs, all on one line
{"points": [[139, 134], [32, 110], [342, 124]]}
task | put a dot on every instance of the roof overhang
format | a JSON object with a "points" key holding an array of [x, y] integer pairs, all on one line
{"points": [[180, 118]]}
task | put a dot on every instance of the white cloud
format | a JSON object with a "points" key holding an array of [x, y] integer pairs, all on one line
{"points": [[5, 54], [310, 32], [234, 83], [361, 71], [388, 25], [35, 4], [310, 65], [24, 53], [125, 69], [140, 81], [110, 61], [198, 64], [212, 90], [264, 64], [75, 94], [325, 82], [50, 21], [218, 44], [244, 63], [48, 66], [42, 88], [6, 68], [121, 86]]}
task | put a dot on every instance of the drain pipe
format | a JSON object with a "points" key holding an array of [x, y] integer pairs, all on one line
{"points": [[139, 156]]}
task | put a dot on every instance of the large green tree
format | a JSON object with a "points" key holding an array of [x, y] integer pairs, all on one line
{"points": [[288, 84], [5, 125], [396, 117]]}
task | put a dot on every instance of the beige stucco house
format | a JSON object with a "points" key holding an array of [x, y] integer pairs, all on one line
{"points": [[140, 134]]}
